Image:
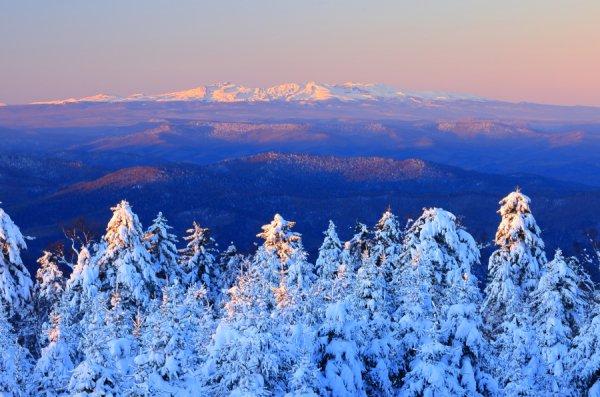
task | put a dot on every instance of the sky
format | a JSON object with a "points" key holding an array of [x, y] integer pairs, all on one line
{"points": [[540, 51]]}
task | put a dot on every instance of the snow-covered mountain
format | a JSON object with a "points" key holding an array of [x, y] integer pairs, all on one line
{"points": [[310, 91]]}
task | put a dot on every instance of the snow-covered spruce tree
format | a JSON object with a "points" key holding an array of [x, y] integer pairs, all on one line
{"points": [[387, 243], [280, 245], [557, 309], [123, 343], [423, 368], [519, 366], [583, 361], [83, 283], [162, 245], [55, 365], [444, 251], [375, 340], [330, 252], [515, 268], [463, 332], [124, 262], [326, 268], [354, 248], [198, 262], [338, 353], [246, 357], [300, 274], [230, 267], [96, 375], [50, 282], [282, 259], [444, 255], [48, 289], [305, 379], [197, 319], [15, 280], [165, 353], [296, 307], [15, 365], [75, 303]]}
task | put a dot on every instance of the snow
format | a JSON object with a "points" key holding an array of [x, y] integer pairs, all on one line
{"points": [[15, 280], [310, 91], [391, 312]]}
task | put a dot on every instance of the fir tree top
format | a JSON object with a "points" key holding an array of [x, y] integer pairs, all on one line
{"points": [[50, 281], [518, 226], [279, 237], [124, 229], [328, 260], [15, 280]]}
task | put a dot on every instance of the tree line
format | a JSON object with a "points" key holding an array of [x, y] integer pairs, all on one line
{"points": [[393, 311]]}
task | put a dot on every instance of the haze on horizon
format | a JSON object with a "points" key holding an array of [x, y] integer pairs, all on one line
{"points": [[538, 51]]}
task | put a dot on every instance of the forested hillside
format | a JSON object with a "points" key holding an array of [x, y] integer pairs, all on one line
{"points": [[395, 310]]}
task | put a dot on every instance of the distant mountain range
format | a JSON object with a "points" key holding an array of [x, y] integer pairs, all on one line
{"points": [[235, 197], [288, 92]]}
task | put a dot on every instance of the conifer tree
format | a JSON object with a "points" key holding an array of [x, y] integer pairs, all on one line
{"points": [[196, 317], [305, 379], [463, 332], [81, 289], [50, 282], [198, 261], [162, 245], [329, 259], [583, 360], [300, 274], [375, 338], [387, 243], [520, 368], [123, 344], [96, 374], [165, 354], [444, 251], [246, 357], [354, 248], [48, 289], [423, 368], [15, 280], [515, 267], [84, 282], [337, 352], [124, 262], [557, 307], [15, 362], [56, 363], [281, 247], [230, 267], [279, 238]]}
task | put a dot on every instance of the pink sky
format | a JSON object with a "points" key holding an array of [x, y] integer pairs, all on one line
{"points": [[540, 51]]}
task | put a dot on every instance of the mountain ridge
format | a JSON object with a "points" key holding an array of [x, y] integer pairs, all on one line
{"points": [[310, 91]]}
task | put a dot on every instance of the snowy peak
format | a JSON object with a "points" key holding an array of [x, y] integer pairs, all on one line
{"points": [[93, 98], [288, 92]]}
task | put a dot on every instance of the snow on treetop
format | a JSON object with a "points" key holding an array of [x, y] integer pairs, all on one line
{"points": [[437, 221], [124, 227], [11, 239], [15, 280], [515, 202], [518, 224], [279, 237]]}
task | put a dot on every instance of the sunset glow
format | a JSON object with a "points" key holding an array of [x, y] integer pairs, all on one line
{"points": [[535, 51]]}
